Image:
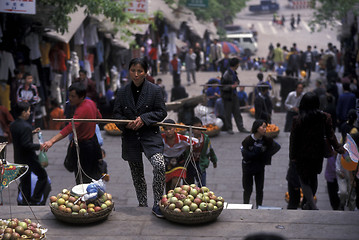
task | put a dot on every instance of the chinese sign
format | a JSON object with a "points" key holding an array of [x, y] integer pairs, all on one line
{"points": [[138, 6], [18, 6]]}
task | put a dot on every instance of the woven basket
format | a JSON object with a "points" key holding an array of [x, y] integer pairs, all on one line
{"points": [[213, 133], [82, 219], [190, 218], [114, 132], [272, 134]]}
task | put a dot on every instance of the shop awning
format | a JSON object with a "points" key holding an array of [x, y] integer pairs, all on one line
{"points": [[76, 20]]}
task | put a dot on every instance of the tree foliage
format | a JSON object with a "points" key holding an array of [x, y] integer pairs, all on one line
{"points": [[58, 10], [327, 12], [217, 10]]}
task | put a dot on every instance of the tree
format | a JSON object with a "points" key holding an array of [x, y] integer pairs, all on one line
{"points": [[58, 10], [217, 10], [327, 12]]}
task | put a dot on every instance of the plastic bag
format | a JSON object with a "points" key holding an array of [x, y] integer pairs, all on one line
{"points": [[43, 160], [94, 190]]}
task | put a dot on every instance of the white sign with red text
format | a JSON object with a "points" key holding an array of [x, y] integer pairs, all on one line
{"points": [[138, 6], [18, 6]]}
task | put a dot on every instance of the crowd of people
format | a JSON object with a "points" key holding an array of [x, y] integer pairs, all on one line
{"points": [[312, 116]]}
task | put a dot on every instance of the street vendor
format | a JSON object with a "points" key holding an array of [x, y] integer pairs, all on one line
{"points": [[90, 150], [142, 102]]}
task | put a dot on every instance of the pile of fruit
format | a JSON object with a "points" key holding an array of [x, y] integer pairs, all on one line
{"points": [[191, 199], [71, 204], [112, 129], [211, 127], [15, 229], [212, 130], [272, 128]]}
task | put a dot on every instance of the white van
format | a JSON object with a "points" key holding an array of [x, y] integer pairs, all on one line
{"points": [[245, 41]]}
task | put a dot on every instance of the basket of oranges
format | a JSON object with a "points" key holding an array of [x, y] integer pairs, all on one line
{"points": [[272, 130], [212, 130], [111, 129]]}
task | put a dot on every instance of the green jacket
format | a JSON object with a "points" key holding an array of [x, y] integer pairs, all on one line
{"points": [[207, 154]]}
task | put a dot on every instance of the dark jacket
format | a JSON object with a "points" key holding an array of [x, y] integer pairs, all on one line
{"points": [[306, 146], [24, 146], [151, 108], [256, 156], [229, 78], [261, 109]]}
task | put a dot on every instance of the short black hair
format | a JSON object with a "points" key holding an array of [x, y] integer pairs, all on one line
{"points": [[141, 61], [83, 71], [21, 107], [196, 120], [234, 62], [27, 74], [256, 124], [79, 88], [169, 120]]}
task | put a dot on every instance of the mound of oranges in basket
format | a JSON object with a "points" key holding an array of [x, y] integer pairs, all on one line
{"points": [[211, 127], [272, 128]]}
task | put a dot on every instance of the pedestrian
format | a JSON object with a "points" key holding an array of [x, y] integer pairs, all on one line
{"points": [[175, 145], [307, 143], [160, 84], [190, 61], [262, 110], [213, 92], [142, 103], [230, 83], [89, 147], [282, 20], [223, 64], [27, 92], [257, 150], [56, 112], [293, 63], [24, 153], [175, 68], [298, 20], [215, 54], [346, 101], [203, 154], [242, 97], [292, 22], [89, 84], [292, 105], [153, 59], [308, 60]]}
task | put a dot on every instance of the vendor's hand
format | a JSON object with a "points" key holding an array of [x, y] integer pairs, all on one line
{"points": [[46, 146], [36, 130], [136, 124]]}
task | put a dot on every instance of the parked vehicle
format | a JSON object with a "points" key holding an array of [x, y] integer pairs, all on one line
{"points": [[265, 6], [245, 41]]}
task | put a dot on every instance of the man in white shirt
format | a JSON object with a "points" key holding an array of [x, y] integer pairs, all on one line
{"points": [[292, 105]]}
